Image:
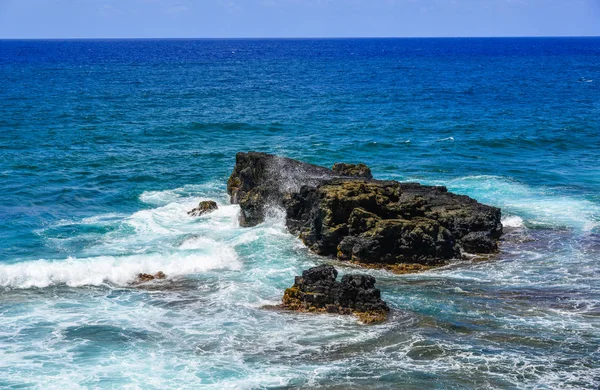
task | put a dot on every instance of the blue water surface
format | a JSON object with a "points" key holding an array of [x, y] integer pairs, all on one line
{"points": [[105, 144]]}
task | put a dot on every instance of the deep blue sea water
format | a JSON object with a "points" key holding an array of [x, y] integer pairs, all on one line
{"points": [[104, 146]]}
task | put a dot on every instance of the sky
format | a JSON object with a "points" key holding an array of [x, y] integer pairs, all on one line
{"points": [[296, 18]]}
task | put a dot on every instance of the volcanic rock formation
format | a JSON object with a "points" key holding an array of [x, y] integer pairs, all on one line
{"points": [[318, 291], [344, 213]]}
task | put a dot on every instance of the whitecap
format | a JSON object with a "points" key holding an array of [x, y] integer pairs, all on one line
{"points": [[143, 242], [159, 197], [119, 270], [512, 221], [540, 206], [206, 191]]}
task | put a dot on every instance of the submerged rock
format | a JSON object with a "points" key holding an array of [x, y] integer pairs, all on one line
{"points": [[318, 291], [141, 278], [204, 207], [376, 223]]}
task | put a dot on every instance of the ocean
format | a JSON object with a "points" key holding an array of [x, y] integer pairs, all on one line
{"points": [[106, 144]]}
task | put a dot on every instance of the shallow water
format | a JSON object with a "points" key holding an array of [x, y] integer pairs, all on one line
{"points": [[106, 145]]}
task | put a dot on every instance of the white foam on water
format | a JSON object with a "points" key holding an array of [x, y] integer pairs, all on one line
{"points": [[103, 218], [95, 271], [161, 198], [219, 336], [162, 226], [535, 206], [197, 243], [513, 221], [146, 241]]}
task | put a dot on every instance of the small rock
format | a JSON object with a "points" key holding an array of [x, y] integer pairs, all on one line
{"points": [[148, 277], [204, 207], [318, 291]]}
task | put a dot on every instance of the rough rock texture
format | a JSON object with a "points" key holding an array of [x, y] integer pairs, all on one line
{"points": [[318, 291], [360, 170], [260, 180], [367, 221], [204, 207], [148, 277]]}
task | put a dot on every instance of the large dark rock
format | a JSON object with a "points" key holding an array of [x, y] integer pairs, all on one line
{"points": [[359, 219], [318, 291], [260, 180]]}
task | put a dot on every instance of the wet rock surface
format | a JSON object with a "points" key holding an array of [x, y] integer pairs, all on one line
{"points": [[345, 214], [317, 290], [261, 180], [204, 207], [142, 278]]}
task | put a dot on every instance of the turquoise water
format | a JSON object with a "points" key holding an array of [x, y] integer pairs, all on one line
{"points": [[105, 145]]}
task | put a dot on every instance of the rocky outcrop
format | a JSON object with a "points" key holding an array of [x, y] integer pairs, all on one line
{"points": [[343, 213], [388, 222], [318, 291], [261, 180], [204, 207]]}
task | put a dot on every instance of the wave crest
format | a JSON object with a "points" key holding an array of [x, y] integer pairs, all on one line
{"points": [[118, 270]]}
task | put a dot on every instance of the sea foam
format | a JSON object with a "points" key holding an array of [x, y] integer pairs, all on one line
{"points": [[163, 239], [534, 206], [512, 221], [75, 272]]}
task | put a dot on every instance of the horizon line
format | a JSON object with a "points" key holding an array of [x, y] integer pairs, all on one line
{"points": [[298, 38]]}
